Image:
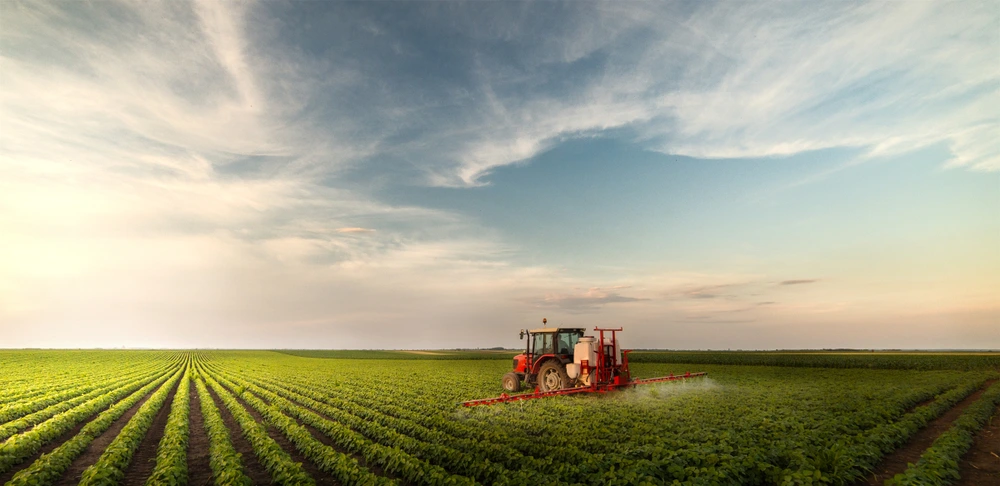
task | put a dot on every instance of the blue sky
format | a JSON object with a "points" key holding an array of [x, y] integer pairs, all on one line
{"points": [[442, 174]]}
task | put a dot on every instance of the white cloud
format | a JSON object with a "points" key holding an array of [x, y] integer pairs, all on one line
{"points": [[750, 80], [838, 76], [121, 199], [589, 300], [176, 165]]}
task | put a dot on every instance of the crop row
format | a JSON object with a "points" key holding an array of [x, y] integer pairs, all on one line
{"points": [[341, 466], [12, 427], [16, 404], [889, 436], [938, 465], [21, 408], [223, 458], [171, 455], [50, 467], [53, 372], [17, 448], [22, 369], [110, 467], [277, 462], [392, 458], [422, 423], [410, 417], [426, 444]]}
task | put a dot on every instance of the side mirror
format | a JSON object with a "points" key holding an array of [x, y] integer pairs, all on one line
{"points": [[522, 334]]}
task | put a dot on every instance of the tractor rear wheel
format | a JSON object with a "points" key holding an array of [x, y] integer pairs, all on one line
{"points": [[552, 376], [511, 382]]}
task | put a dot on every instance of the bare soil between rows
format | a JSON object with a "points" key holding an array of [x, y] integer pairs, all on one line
{"points": [[326, 440], [981, 465], [897, 461], [144, 459], [251, 466], [329, 442], [198, 452], [97, 446], [47, 448], [319, 476]]}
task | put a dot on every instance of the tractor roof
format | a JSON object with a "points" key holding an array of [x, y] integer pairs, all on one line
{"points": [[555, 329]]}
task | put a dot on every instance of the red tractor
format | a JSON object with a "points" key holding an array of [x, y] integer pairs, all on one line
{"points": [[548, 353], [563, 361]]}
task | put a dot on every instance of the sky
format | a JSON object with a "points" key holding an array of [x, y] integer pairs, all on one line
{"points": [[425, 175]]}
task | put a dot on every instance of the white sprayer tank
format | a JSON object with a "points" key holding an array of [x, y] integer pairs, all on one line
{"points": [[585, 349]]}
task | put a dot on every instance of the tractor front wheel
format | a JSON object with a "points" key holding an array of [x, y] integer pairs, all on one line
{"points": [[552, 376], [511, 382]]}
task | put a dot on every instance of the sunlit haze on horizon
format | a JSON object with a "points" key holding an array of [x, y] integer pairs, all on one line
{"points": [[423, 175]]}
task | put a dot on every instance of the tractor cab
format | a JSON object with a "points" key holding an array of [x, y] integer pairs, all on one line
{"points": [[546, 354]]}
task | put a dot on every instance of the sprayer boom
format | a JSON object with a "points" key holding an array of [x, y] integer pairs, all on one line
{"points": [[594, 388]]}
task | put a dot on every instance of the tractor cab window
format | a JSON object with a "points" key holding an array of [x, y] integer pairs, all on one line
{"points": [[566, 342], [543, 343]]}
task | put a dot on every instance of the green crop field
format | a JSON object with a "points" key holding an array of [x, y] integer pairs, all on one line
{"points": [[301, 417]]}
